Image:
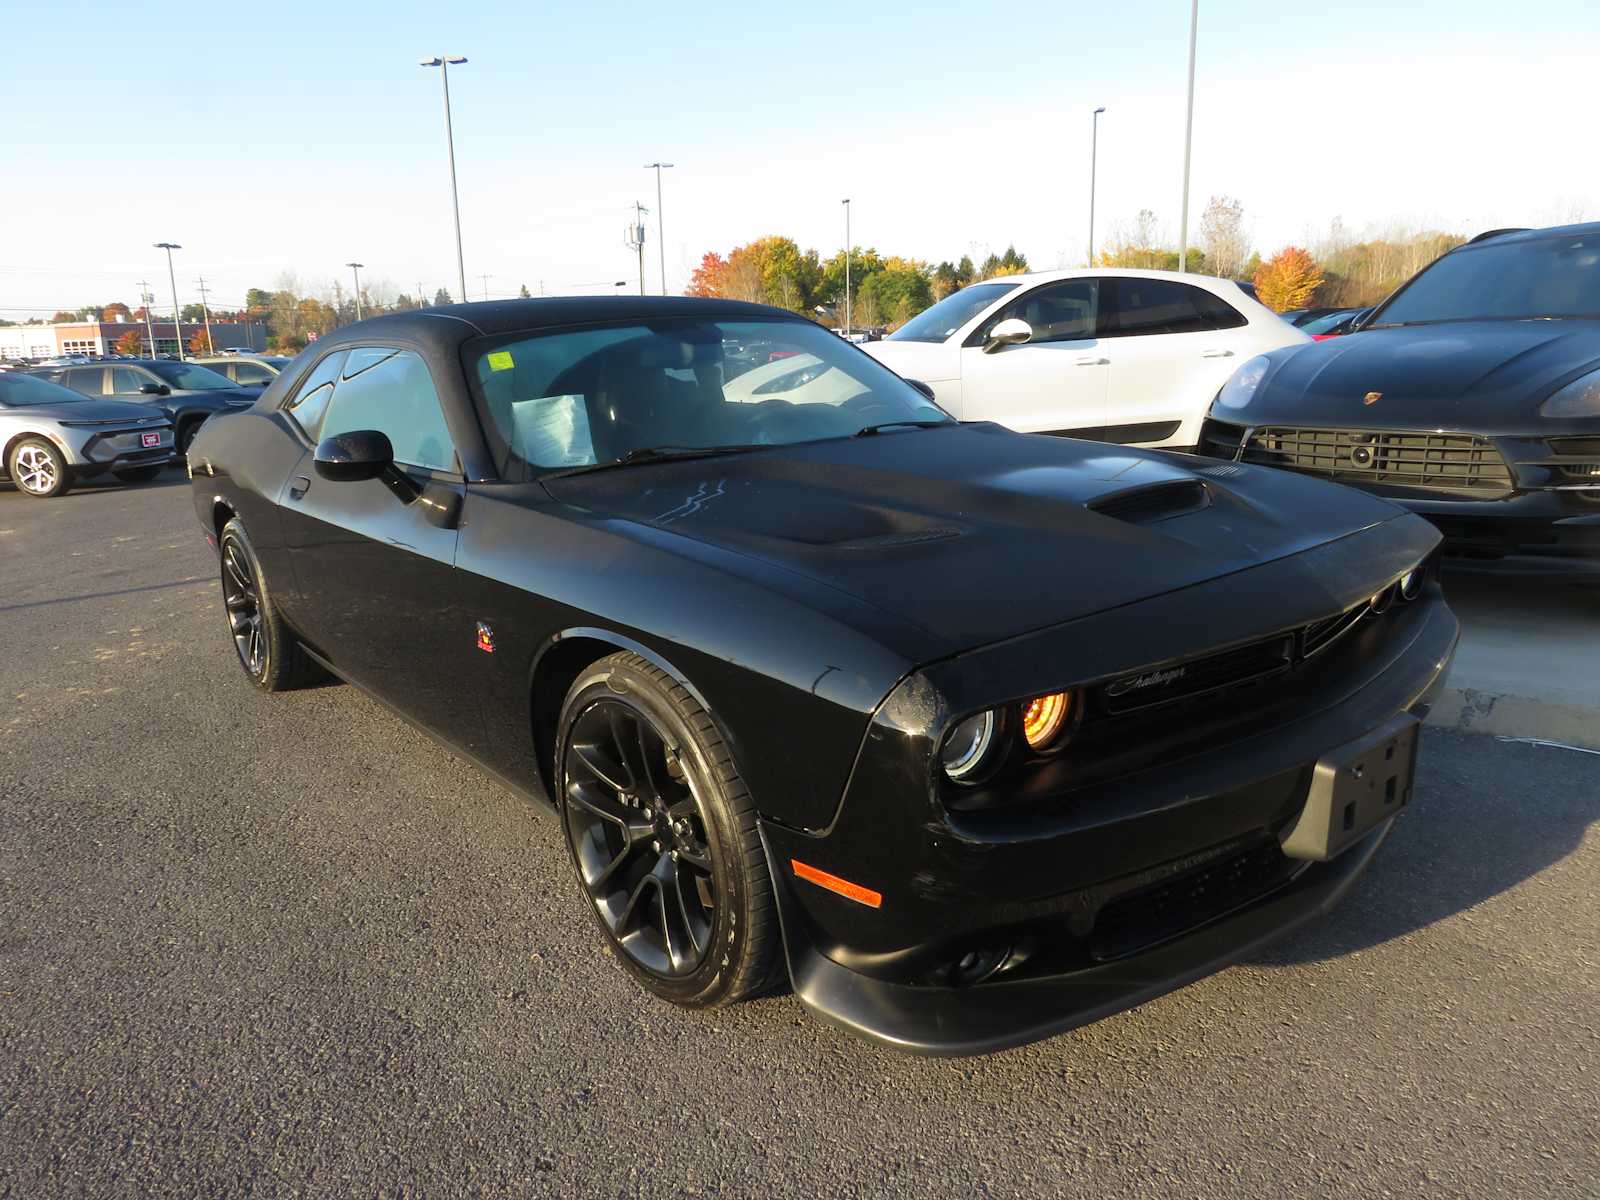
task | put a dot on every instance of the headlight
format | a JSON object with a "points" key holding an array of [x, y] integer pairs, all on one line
{"points": [[1044, 717], [1239, 389], [1580, 398], [969, 747]]}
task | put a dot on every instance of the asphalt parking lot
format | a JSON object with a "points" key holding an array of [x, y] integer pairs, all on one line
{"points": [[284, 945]]}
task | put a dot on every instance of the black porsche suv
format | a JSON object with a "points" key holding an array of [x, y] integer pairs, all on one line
{"points": [[1471, 396]]}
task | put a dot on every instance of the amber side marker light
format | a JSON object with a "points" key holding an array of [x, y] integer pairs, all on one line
{"points": [[1042, 718], [850, 891]]}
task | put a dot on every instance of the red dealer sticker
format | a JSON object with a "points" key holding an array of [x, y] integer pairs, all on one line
{"points": [[150, 439]]}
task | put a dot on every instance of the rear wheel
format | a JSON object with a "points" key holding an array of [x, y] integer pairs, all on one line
{"points": [[38, 469], [138, 474], [272, 660], [662, 833]]}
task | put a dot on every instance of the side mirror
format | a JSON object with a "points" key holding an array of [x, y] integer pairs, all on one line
{"points": [[155, 389], [1013, 331], [352, 457], [925, 389]]}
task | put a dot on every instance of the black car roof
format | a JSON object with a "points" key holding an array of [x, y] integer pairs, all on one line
{"points": [[1501, 236], [451, 323]]}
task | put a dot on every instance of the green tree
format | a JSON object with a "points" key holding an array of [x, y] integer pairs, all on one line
{"points": [[193, 312], [894, 297], [441, 297], [523, 293]]}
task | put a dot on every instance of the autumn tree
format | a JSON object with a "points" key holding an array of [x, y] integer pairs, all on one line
{"points": [[1288, 279], [114, 310], [131, 342], [709, 277], [523, 293], [1223, 236], [197, 342]]}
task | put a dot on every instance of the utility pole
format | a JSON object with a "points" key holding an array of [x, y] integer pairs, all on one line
{"points": [[846, 267], [205, 309], [148, 298], [484, 279], [1094, 155], [634, 239], [661, 233], [177, 313], [1188, 138], [355, 270], [422, 300]]}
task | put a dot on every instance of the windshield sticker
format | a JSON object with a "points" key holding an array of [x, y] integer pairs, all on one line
{"points": [[501, 360]]}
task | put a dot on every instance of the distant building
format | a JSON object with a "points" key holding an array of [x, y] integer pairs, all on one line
{"points": [[99, 338]]}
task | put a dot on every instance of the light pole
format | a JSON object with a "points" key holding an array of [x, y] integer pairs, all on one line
{"points": [[177, 315], [444, 62], [661, 233], [355, 269], [1188, 137], [846, 203], [149, 298], [1094, 154]]}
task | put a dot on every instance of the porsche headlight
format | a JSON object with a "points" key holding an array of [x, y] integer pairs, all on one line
{"points": [[1580, 398], [970, 746], [1241, 387]]}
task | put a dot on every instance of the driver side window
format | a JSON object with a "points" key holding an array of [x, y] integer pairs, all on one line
{"points": [[391, 390], [1057, 312]]}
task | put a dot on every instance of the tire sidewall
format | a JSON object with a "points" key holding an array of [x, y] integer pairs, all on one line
{"points": [[610, 680], [233, 532]]}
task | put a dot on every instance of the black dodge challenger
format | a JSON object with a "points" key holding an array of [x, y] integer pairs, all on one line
{"points": [[1471, 396], [976, 735]]}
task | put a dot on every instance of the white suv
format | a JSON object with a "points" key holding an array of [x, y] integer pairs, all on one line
{"points": [[1114, 355]]}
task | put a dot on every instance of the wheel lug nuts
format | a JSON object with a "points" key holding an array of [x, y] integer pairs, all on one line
{"points": [[656, 846], [674, 856]]}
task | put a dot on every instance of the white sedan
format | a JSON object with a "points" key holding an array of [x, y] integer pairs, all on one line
{"points": [[1115, 355]]}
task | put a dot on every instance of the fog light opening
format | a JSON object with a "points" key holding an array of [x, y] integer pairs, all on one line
{"points": [[976, 965], [1380, 603]]}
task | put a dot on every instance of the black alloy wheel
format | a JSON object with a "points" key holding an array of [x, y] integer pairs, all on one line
{"points": [[639, 839], [241, 598], [271, 657], [664, 837]]}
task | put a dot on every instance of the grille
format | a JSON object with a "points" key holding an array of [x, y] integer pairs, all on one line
{"points": [[1438, 462], [1218, 440]]}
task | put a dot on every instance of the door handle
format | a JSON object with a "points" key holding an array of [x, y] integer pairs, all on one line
{"points": [[299, 487], [1092, 361], [1217, 354]]}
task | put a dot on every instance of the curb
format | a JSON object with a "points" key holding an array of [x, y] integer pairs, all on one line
{"points": [[1472, 711]]}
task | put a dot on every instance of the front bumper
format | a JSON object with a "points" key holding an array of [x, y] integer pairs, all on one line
{"points": [[1092, 897], [1553, 504]]}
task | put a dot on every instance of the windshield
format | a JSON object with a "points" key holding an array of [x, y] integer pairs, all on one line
{"points": [[189, 377], [598, 396], [950, 314], [1327, 320], [1552, 277], [28, 391]]}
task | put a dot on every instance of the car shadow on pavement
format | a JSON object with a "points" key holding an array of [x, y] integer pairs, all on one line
{"points": [[1488, 815]]}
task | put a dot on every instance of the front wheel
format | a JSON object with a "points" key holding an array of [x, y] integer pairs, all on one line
{"points": [[662, 833], [38, 469], [272, 660]]}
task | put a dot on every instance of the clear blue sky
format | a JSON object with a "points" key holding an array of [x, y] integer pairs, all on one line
{"points": [[296, 137]]}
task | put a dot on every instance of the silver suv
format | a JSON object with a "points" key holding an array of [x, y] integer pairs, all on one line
{"points": [[51, 437]]}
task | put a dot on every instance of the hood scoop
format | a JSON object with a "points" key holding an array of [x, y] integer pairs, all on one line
{"points": [[1153, 502]]}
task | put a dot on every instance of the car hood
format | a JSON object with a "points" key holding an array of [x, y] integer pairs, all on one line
{"points": [[929, 362], [974, 534], [1481, 375], [119, 411]]}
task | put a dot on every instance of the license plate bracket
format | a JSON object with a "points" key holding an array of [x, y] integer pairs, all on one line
{"points": [[1355, 788]]}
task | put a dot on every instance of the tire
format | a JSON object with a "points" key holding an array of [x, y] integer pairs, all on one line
{"points": [[186, 433], [268, 653], [38, 469], [139, 474], [662, 836]]}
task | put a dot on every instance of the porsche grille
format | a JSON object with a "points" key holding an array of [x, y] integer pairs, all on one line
{"points": [[1434, 462]]}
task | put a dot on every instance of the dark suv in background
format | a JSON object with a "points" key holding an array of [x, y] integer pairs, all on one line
{"points": [[1471, 396], [187, 393]]}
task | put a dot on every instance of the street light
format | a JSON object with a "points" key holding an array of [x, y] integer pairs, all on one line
{"points": [[444, 62], [1094, 154], [355, 269], [1188, 138], [661, 234], [846, 203], [177, 315]]}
